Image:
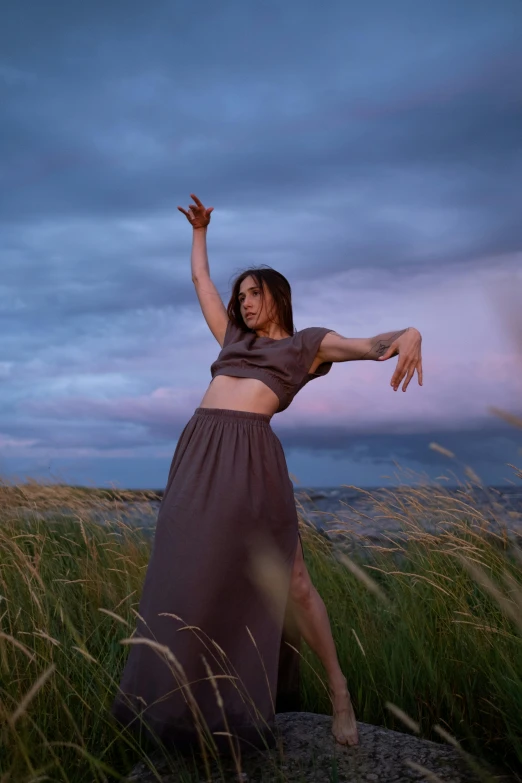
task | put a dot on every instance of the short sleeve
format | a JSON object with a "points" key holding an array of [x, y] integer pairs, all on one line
{"points": [[232, 333], [308, 344]]}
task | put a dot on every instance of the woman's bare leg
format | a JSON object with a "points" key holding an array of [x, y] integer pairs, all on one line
{"points": [[314, 626]]}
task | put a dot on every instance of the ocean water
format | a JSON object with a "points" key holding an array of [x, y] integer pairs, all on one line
{"points": [[378, 514], [382, 513]]}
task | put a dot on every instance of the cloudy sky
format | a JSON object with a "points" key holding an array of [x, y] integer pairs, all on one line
{"points": [[371, 152]]}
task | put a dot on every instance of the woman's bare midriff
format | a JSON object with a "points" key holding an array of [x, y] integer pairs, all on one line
{"points": [[243, 394], [240, 394]]}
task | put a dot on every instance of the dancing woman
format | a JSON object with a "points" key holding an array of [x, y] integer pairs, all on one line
{"points": [[214, 645]]}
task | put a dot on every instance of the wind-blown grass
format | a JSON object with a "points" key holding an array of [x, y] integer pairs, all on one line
{"points": [[428, 631]]}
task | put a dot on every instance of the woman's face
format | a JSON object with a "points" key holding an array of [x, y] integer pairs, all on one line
{"points": [[257, 311]]}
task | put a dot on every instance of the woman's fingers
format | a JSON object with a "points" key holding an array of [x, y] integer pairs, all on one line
{"points": [[409, 376], [189, 215], [406, 370], [199, 208], [197, 214], [399, 374], [399, 379]]}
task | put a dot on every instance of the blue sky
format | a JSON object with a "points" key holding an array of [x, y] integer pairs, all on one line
{"points": [[371, 152]]}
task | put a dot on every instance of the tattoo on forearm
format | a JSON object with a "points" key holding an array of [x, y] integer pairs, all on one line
{"points": [[383, 342], [381, 348]]}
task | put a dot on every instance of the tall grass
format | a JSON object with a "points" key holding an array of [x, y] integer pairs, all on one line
{"points": [[432, 622], [428, 629]]}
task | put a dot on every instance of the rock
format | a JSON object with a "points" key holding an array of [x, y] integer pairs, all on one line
{"points": [[309, 752]]}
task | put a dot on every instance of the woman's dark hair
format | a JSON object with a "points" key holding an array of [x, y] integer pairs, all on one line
{"points": [[281, 292]]}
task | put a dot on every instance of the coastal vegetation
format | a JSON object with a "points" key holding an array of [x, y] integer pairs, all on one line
{"points": [[428, 627]]}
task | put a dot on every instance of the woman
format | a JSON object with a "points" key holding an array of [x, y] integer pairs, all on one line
{"points": [[226, 590]]}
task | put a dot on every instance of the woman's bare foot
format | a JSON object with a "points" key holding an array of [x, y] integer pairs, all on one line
{"points": [[344, 726]]}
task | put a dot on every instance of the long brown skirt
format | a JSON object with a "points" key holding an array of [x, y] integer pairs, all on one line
{"points": [[228, 500]]}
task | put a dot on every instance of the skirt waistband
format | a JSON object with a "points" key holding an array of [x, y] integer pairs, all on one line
{"points": [[259, 418]]}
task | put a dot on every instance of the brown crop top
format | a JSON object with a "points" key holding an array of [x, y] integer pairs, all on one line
{"points": [[281, 364]]}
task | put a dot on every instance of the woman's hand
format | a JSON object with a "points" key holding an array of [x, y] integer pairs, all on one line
{"points": [[197, 216], [408, 346]]}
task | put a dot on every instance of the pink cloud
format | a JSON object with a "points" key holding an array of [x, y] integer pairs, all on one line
{"points": [[354, 395]]}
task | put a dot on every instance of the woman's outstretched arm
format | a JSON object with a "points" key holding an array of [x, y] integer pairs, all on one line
{"points": [[336, 348], [405, 343]]}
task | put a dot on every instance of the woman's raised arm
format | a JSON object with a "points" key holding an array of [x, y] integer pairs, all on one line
{"points": [[199, 218], [212, 306]]}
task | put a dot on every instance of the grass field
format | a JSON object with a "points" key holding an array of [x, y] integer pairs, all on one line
{"points": [[432, 628]]}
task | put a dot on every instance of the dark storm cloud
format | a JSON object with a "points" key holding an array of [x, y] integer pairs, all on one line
{"points": [[487, 444], [140, 422], [134, 128], [386, 137], [484, 444], [78, 434]]}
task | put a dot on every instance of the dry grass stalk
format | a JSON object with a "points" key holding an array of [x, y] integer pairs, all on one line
{"points": [[31, 693], [510, 608], [358, 642], [403, 716], [362, 576]]}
